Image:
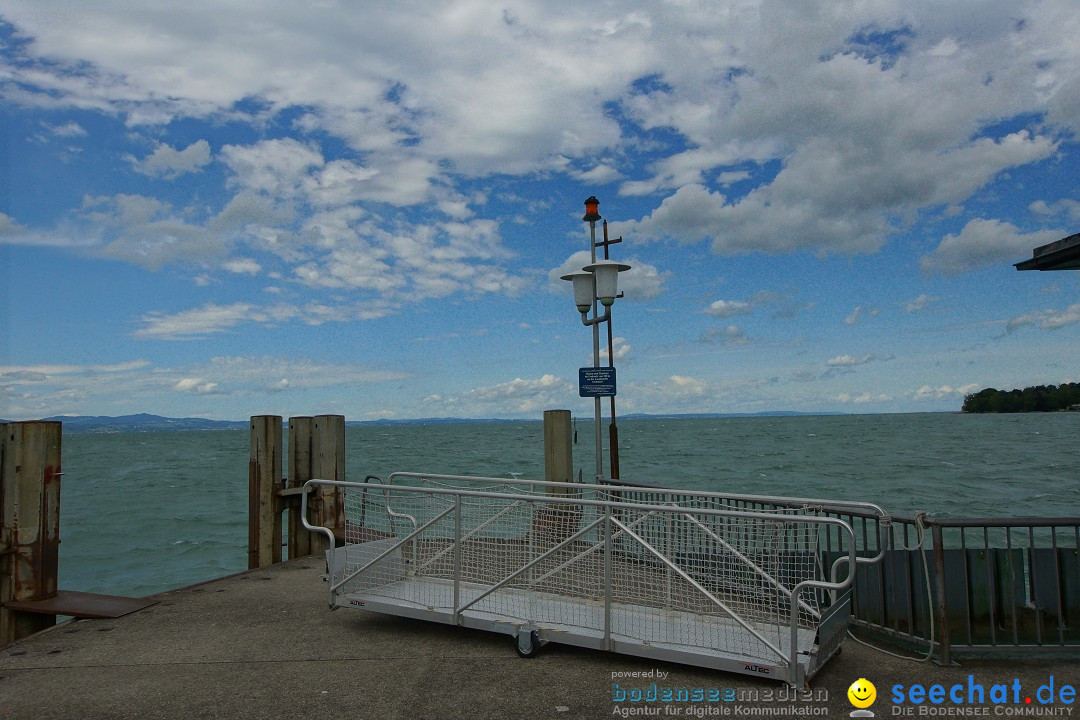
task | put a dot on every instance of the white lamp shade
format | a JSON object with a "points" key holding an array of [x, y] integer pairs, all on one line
{"points": [[583, 289], [607, 279]]}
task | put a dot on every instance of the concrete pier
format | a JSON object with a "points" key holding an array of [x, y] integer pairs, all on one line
{"points": [[263, 644]]}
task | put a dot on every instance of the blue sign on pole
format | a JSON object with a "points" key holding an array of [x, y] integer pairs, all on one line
{"points": [[596, 382]]}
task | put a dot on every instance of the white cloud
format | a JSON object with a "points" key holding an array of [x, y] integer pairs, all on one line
{"points": [[32, 391], [8, 227], [863, 398], [642, 281], [927, 392], [211, 318], [259, 216], [197, 386], [457, 208], [850, 360], [42, 372], [169, 163], [728, 335], [781, 306], [810, 127], [683, 392], [621, 349], [199, 322], [600, 174], [846, 210], [277, 168], [858, 131], [69, 129], [684, 384], [984, 242], [417, 263], [727, 308], [479, 85], [1065, 206], [863, 137], [685, 168], [43, 390], [14, 233], [1046, 319], [402, 181], [857, 314], [243, 266], [920, 303], [254, 374], [337, 246], [486, 89], [732, 177], [689, 393], [518, 396], [148, 232]]}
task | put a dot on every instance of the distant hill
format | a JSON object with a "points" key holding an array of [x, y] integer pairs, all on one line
{"points": [[437, 421], [630, 416], [144, 422]]}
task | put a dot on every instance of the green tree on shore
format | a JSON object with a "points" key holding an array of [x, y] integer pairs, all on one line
{"points": [[1039, 398]]}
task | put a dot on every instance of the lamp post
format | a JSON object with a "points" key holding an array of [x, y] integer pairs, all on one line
{"points": [[597, 282]]}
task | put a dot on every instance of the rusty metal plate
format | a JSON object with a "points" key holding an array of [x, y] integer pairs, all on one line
{"points": [[82, 605]]}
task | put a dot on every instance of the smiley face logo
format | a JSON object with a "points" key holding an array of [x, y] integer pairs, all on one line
{"points": [[862, 693]]}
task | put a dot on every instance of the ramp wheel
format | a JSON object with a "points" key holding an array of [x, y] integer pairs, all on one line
{"points": [[528, 644]]}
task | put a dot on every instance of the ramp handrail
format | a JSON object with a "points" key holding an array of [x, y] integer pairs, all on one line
{"points": [[862, 509], [606, 506], [794, 502]]}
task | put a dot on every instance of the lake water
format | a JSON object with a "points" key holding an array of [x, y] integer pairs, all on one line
{"points": [[146, 512]]}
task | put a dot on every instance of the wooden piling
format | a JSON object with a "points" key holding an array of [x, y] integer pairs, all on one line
{"points": [[558, 447], [299, 542], [327, 463], [29, 523], [264, 482]]}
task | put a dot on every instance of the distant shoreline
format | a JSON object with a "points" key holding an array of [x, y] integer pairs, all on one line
{"points": [[1037, 398], [145, 422]]}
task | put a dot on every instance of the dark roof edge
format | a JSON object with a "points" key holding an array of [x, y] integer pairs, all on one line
{"points": [[1063, 254]]}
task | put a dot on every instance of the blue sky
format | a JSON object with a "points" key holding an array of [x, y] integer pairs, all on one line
{"points": [[221, 209]]}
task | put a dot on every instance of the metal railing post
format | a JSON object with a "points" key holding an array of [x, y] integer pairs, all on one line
{"points": [[941, 604], [457, 558], [608, 589]]}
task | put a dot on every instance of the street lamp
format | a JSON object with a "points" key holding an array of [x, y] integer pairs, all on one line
{"points": [[584, 290], [599, 281], [606, 273]]}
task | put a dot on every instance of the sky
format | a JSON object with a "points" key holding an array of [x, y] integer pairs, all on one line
{"points": [[229, 208]]}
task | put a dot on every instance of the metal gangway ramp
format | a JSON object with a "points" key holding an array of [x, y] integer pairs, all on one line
{"points": [[685, 581]]}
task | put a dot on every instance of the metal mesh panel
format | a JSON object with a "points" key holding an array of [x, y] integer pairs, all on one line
{"points": [[673, 576]]}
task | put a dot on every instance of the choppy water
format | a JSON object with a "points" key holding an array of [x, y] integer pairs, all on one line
{"points": [[145, 512]]}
